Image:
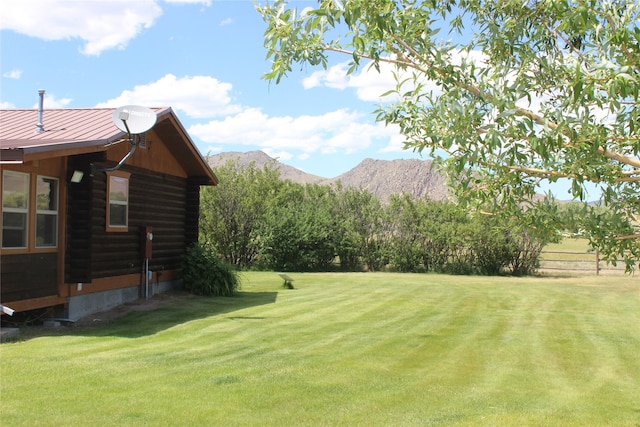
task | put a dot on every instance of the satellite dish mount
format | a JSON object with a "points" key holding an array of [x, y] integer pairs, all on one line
{"points": [[124, 116], [134, 120]]}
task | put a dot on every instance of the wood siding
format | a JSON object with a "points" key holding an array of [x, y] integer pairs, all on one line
{"points": [[79, 208], [163, 194], [155, 200], [192, 218], [26, 276]]}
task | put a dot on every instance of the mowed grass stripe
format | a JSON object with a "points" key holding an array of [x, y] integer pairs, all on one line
{"points": [[347, 349]]}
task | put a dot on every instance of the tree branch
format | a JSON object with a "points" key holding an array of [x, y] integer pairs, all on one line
{"points": [[628, 237], [548, 173], [536, 118]]}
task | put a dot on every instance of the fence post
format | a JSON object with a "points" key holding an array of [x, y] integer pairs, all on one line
{"points": [[597, 262]]}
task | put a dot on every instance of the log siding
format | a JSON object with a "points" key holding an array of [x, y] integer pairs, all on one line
{"points": [[38, 279], [164, 189], [155, 200]]}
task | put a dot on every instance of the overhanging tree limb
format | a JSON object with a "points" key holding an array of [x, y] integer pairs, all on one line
{"points": [[519, 111], [573, 61]]}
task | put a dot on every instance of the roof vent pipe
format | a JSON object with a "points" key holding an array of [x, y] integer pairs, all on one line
{"points": [[40, 126]]}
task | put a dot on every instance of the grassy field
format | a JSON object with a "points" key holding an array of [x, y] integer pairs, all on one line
{"points": [[370, 349]]}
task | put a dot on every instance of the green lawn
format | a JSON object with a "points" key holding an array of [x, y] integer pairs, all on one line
{"points": [[369, 349]]}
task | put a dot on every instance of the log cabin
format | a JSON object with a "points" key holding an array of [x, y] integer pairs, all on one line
{"points": [[83, 230]]}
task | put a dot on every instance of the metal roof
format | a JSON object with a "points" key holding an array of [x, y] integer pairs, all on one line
{"points": [[73, 128], [61, 126]]}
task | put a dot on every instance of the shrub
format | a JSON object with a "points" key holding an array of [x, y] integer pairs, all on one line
{"points": [[204, 274], [490, 247], [460, 267], [526, 259]]}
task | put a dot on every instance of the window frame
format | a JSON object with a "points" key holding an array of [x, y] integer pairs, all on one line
{"points": [[24, 211], [117, 228], [47, 212]]}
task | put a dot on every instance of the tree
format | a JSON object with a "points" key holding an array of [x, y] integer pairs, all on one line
{"points": [[531, 92], [232, 211], [358, 216], [406, 252], [298, 232], [440, 232]]}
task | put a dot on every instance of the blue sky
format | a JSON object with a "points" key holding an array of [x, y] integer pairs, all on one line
{"points": [[203, 58]]}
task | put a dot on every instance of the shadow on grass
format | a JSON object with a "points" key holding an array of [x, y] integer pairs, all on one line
{"points": [[138, 320]]}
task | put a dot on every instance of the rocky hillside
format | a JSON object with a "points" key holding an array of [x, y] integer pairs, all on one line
{"points": [[380, 177], [260, 159], [418, 178]]}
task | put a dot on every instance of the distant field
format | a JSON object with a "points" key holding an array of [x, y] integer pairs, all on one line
{"points": [[359, 349], [570, 245]]}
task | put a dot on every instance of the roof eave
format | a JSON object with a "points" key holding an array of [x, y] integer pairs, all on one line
{"points": [[209, 177], [12, 157]]}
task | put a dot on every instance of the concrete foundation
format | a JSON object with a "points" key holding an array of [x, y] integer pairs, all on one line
{"points": [[9, 334], [84, 305]]}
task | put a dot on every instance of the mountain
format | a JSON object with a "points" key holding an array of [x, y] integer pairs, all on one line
{"points": [[418, 178], [260, 159]]}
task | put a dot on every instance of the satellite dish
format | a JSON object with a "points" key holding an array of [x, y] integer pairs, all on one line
{"points": [[134, 119]]}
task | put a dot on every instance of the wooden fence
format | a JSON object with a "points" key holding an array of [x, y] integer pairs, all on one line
{"points": [[582, 262]]}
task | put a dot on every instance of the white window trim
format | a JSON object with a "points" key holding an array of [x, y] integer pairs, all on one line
{"points": [[117, 228], [24, 211], [47, 211]]}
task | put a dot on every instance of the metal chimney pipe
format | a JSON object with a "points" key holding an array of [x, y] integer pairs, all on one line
{"points": [[40, 125]]}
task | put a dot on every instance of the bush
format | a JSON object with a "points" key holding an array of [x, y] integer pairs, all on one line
{"points": [[526, 259], [204, 274], [460, 267], [490, 247]]}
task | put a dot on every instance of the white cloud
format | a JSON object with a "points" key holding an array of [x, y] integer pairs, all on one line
{"points": [[226, 21], [278, 155], [213, 149], [13, 74], [204, 2], [196, 96], [50, 101], [338, 131], [396, 142], [334, 77], [4, 104], [101, 24], [370, 83]]}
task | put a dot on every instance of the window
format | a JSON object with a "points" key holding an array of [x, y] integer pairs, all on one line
{"points": [[15, 209], [117, 201], [29, 210], [46, 212]]}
